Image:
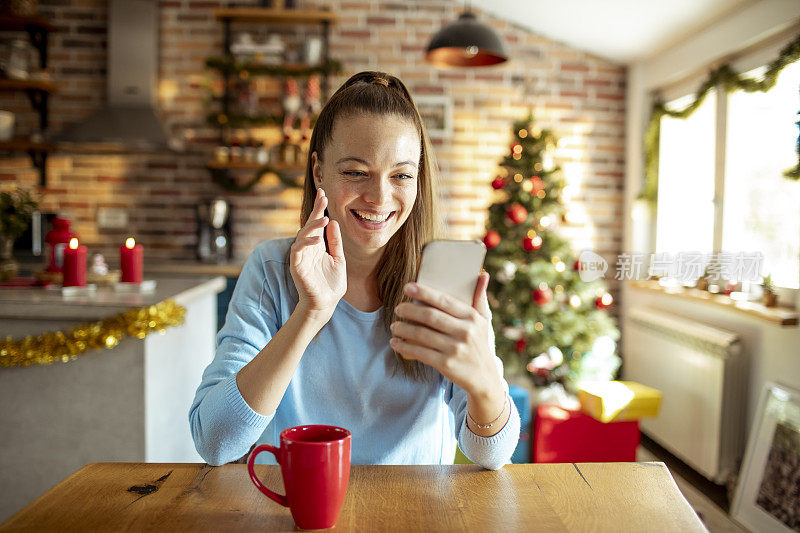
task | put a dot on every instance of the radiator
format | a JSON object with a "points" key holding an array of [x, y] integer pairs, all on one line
{"points": [[701, 371]]}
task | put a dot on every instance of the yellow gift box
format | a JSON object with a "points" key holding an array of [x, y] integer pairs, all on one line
{"points": [[617, 401]]}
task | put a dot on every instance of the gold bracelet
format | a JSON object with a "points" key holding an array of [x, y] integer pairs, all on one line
{"points": [[490, 424]]}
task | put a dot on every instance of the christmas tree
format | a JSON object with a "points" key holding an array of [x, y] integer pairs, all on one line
{"points": [[550, 324]]}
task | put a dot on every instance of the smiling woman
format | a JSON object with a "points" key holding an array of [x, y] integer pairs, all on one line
{"points": [[369, 175], [313, 333]]}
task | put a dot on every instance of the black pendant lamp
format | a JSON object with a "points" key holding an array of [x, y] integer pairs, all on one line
{"points": [[466, 43]]}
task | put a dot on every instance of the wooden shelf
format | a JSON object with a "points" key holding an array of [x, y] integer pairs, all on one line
{"points": [[782, 316], [223, 174], [38, 91], [21, 145], [275, 16], [226, 175], [37, 151], [280, 69], [28, 85], [246, 165], [12, 23]]}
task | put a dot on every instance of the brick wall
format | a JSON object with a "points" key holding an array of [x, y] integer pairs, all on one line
{"points": [[577, 94]]}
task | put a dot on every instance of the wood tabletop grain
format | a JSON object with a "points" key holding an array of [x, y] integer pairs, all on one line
{"points": [[518, 497]]}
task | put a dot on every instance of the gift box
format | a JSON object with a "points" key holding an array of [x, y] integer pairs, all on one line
{"points": [[617, 401], [570, 436], [522, 400]]}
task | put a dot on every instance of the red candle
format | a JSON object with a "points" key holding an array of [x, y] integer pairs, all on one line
{"points": [[130, 260], [74, 265]]}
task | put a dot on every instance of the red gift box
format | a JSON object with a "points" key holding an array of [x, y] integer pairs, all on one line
{"points": [[564, 436]]}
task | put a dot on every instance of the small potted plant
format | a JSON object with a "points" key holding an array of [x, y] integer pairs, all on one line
{"points": [[770, 298], [702, 281], [16, 209]]}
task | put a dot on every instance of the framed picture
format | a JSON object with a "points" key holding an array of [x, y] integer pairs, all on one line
{"points": [[768, 492], [437, 114]]}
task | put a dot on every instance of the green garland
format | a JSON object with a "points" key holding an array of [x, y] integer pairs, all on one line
{"points": [[244, 121], [223, 178], [729, 80], [229, 64]]}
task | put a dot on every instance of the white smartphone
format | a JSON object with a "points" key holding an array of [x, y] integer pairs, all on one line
{"points": [[452, 266]]}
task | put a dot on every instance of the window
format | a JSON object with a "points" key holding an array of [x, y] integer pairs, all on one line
{"points": [[761, 207], [757, 209], [685, 219]]}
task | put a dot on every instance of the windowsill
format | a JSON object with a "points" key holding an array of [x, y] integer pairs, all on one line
{"points": [[782, 316]]}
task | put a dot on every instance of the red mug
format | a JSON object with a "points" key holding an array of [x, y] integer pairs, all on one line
{"points": [[315, 464]]}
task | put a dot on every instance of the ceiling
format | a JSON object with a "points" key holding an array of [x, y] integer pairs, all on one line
{"points": [[621, 30]]}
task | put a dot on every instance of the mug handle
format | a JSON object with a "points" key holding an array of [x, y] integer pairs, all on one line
{"points": [[279, 498]]}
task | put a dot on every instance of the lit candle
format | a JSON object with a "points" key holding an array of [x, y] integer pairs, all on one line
{"points": [[130, 260], [74, 265]]}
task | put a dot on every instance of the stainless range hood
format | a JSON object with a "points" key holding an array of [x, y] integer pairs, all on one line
{"points": [[129, 122]]}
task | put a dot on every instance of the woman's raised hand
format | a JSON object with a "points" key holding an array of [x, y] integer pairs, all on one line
{"points": [[320, 277]]}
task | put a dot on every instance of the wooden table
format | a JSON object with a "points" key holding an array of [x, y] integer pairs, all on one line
{"points": [[525, 497]]}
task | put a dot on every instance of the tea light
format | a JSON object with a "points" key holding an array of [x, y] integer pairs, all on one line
{"points": [[130, 260], [74, 264]]}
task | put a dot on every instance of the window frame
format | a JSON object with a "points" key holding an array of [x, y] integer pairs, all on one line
{"points": [[721, 103]]}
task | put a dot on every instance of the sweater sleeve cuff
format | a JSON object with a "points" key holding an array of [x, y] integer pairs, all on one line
{"points": [[495, 451], [241, 407]]}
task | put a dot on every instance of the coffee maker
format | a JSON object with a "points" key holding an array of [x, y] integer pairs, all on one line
{"points": [[214, 231]]}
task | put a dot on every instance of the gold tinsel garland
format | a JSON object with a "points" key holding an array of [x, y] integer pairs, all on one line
{"points": [[729, 80], [64, 346]]}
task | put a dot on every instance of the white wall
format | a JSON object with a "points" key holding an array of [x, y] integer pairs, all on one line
{"points": [[774, 351]]}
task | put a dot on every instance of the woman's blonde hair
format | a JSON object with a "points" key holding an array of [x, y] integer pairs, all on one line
{"points": [[378, 93]]}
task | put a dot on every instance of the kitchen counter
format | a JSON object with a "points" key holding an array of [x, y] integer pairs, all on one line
{"points": [[128, 403], [50, 304], [154, 268], [194, 268]]}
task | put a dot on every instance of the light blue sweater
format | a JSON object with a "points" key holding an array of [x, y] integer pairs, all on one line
{"points": [[343, 379]]}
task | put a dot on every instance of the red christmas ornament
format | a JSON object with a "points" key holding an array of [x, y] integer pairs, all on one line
{"points": [[604, 301], [491, 239], [576, 265], [538, 184], [498, 183], [517, 214], [521, 344], [530, 244], [542, 294]]}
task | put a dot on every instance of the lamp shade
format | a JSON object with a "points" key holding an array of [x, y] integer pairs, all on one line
{"points": [[466, 43]]}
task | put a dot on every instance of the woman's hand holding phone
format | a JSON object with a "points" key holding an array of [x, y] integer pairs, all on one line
{"points": [[450, 336], [319, 276]]}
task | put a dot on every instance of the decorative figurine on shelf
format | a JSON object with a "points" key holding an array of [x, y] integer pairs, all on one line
{"points": [[99, 265], [311, 106], [100, 274], [291, 104], [770, 296], [248, 100], [287, 150], [702, 281]]}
